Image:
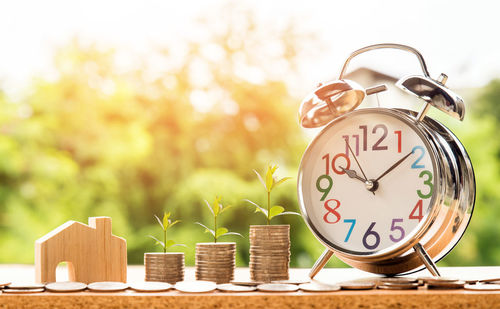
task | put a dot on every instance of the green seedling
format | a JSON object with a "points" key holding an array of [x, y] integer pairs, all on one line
{"points": [[165, 224], [216, 209], [271, 183]]}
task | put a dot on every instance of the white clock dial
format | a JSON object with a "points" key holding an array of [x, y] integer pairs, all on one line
{"points": [[359, 216]]}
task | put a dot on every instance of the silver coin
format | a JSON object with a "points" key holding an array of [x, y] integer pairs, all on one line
{"points": [[446, 285], [482, 287], [398, 280], [228, 287], [402, 284], [4, 283], [439, 279], [411, 286], [277, 287], [317, 287], [107, 286], [25, 285], [22, 291], [247, 283], [150, 286], [198, 286], [69, 286], [489, 280], [357, 285]]}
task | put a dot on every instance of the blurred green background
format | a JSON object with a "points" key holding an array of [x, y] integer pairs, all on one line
{"points": [[97, 140]]}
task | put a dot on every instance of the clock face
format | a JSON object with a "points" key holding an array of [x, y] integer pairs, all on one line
{"points": [[364, 217]]}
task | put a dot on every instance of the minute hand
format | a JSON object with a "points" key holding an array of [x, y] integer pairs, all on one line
{"points": [[393, 166]]}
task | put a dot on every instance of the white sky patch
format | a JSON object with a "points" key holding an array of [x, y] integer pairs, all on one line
{"points": [[455, 37]]}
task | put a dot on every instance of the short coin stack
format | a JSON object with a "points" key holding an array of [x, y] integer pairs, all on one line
{"points": [[164, 267], [215, 261], [269, 252]]}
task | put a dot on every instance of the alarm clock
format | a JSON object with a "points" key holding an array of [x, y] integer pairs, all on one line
{"points": [[387, 190]]}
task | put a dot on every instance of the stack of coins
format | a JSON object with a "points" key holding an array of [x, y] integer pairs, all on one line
{"points": [[215, 261], [164, 267], [269, 252]]}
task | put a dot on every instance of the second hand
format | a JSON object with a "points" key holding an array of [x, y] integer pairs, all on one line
{"points": [[356, 159], [357, 162]]}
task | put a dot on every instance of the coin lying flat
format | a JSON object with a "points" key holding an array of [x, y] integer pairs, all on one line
{"points": [[409, 286], [247, 283], [198, 286], [25, 285], [65, 286], [482, 287], [228, 287], [398, 280], [489, 280], [150, 286], [439, 279], [4, 284], [357, 285], [22, 291], [317, 287], [277, 287], [446, 285], [107, 286]]}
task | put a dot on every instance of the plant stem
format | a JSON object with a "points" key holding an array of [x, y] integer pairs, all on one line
{"points": [[215, 229], [165, 241], [268, 207]]}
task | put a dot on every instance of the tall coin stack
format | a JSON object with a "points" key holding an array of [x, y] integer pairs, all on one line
{"points": [[164, 267], [215, 261], [269, 252]]}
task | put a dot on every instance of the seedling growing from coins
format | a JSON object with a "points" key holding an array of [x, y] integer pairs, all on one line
{"points": [[271, 183], [165, 224], [216, 208]]}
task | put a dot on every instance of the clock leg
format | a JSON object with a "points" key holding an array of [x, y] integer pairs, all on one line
{"points": [[320, 263], [431, 267]]}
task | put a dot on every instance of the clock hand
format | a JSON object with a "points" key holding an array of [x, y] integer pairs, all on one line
{"points": [[356, 159], [369, 184], [393, 166], [352, 174]]}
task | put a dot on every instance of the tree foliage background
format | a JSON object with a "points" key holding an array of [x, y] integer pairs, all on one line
{"points": [[167, 134]]}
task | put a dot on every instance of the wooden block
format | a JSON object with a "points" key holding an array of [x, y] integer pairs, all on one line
{"points": [[91, 251]]}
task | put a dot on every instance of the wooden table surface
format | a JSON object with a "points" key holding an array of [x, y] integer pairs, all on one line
{"points": [[421, 298]]}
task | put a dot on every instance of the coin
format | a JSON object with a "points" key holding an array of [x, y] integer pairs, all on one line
{"points": [[22, 291], [438, 279], [317, 287], [107, 286], [150, 286], [197, 286], [489, 280], [4, 283], [26, 285], [398, 280], [277, 287], [482, 287], [68, 286], [398, 287], [445, 285], [228, 287], [247, 283], [357, 285]]}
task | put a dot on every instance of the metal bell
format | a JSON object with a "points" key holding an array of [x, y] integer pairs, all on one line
{"points": [[435, 93], [329, 101]]}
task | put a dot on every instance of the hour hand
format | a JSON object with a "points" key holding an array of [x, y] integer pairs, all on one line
{"points": [[352, 174]]}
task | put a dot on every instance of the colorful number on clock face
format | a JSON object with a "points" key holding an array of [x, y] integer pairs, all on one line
{"points": [[341, 208]]}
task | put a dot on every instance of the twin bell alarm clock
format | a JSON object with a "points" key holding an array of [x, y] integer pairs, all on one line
{"points": [[388, 191]]}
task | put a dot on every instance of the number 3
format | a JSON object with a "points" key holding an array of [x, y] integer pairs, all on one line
{"points": [[427, 182]]}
